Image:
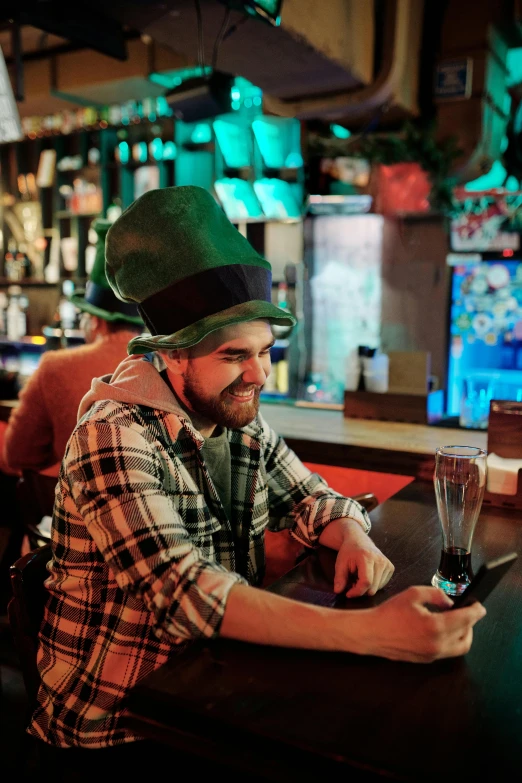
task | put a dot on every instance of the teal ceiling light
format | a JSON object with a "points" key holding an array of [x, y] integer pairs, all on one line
{"points": [[267, 10], [202, 133], [279, 141], [238, 199], [246, 95], [170, 150], [156, 149], [514, 67], [339, 132], [123, 152], [172, 79], [277, 199], [234, 142], [162, 107]]}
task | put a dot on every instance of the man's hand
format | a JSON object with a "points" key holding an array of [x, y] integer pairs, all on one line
{"points": [[404, 629], [360, 566]]}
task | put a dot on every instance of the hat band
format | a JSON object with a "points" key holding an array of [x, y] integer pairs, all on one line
{"points": [[205, 293], [104, 298]]}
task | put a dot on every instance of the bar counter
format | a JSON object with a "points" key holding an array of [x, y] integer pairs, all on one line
{"points": [[299, 715], [327, 437]]}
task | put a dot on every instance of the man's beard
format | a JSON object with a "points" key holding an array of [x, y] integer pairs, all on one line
{"points": [[222, 410]]}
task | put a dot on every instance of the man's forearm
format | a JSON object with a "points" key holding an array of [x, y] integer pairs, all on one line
{"points": [[334, 533], [253, 615], [401, 629]]}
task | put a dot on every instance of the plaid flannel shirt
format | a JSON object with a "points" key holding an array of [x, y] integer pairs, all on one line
{"points": [[144, 555]]}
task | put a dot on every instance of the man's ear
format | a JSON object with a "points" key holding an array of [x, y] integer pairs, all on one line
{"points": [[176, 360]]}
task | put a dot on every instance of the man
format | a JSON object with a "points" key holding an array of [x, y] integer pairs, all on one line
{"points": [[170, 479], [38, 430]]}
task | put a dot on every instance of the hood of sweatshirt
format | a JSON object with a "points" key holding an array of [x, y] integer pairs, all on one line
{"points": [[136, 381]]}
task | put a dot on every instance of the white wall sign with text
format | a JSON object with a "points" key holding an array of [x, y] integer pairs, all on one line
{"points": [[10, 126]]}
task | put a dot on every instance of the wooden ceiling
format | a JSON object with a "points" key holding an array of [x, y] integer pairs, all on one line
{"points": [[33, 40]]}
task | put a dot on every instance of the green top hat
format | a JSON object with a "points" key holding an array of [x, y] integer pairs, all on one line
{"points": [[176, 254], [98, 297]]}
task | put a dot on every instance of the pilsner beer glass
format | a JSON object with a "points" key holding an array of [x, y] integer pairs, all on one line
{"points": [[460, 481]]}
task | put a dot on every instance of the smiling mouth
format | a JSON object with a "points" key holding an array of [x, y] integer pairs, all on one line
{"points": [[243, 396]]}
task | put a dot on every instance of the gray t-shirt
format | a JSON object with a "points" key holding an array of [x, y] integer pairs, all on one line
{"points": [[216, 453]]}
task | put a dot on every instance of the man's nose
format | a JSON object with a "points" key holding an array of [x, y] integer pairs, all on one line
{"points": [[255, 372]]}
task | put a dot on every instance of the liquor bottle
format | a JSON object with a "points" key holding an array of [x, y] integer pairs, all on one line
{"points": [[3, 313], [282, 376], [25, 266], [15, 316], [66, 309]]}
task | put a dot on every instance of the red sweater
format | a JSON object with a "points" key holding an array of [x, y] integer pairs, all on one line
{"points": [[39, 428]]}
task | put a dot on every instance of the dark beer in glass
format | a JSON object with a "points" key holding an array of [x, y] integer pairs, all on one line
{"points": [[460, 481]]}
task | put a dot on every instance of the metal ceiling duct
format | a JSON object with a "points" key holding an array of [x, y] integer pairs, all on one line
{"points": [[395, 88], [319, 63], [311, 52]]}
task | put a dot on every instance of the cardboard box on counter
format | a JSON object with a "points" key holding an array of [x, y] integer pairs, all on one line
{"points": [[411, 408], [407, 399], [409, 372]]}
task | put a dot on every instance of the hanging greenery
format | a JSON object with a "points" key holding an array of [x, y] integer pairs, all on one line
{"points": [[413, 144]]}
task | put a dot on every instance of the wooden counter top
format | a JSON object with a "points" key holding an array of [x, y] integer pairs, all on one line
{"points": [[326, 437], [293, 715]]}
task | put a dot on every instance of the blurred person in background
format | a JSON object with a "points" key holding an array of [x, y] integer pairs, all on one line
{"points": [[38, 429]]}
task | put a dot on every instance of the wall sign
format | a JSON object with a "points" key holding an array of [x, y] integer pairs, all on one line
{"points": [[453, 79], [10, 126]]}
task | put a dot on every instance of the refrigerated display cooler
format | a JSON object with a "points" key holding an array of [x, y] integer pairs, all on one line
{"points": [[485, 345]]}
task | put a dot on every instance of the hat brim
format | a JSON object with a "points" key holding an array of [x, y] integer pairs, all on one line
{"points": [[79, 301], [193, 334]]}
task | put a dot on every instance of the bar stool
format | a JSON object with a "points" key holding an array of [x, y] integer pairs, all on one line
{"points": [[35, 495], [26, 610]]}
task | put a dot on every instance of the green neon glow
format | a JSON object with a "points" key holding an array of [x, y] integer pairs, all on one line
{"points": [[339, 132], [123, 149], [156, 149], [514, 66], [201, 134], [243, 91], [493, 179], [294, 160], [172, 79], [233, 142], [169, 150], [269, 9], [237, 198], [278, 140]]}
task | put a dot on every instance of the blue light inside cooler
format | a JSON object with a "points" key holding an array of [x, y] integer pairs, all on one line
{"points": [[486, 328]]}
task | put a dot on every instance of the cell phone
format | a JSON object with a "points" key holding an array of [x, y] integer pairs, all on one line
{"points": [[486, 578]]}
